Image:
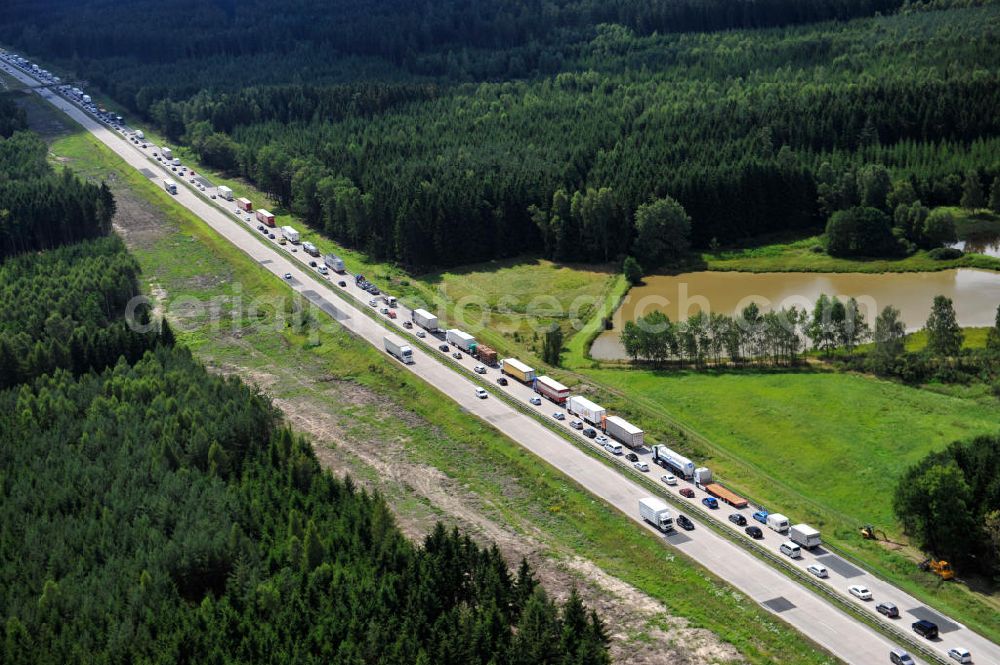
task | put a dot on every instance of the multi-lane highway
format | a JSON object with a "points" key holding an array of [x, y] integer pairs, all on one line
{"points": [[800, 606]]}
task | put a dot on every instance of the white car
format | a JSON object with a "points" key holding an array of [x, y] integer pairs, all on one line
{"points": [[860, 592], [558, 415], [960, 655], [668, 479], [818, 571], [421, 334], [481, 393], [536, 401], [642, 466], [480, 369]]}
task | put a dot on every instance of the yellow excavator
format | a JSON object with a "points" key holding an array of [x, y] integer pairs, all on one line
{"points": [[940, 568]]}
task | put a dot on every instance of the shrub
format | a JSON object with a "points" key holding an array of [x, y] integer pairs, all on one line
{"points": [[945, 254]]}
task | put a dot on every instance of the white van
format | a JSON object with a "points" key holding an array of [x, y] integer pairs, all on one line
{"points": [[791, 550], [613, 447]]}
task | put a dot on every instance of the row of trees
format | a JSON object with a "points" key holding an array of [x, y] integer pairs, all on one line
{"points": [[40, 209], [750, 132], [779, 337], [949, 502]]}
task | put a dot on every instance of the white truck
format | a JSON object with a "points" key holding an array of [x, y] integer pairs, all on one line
{"points": [[170, 186], [425, 320], [167, 153], [139, 134], [224, 192], [674, 461], [623, 431], [656, 512], [290, 234], [777, 522], [462, 340], [583, 407], [310, 249], [804, 536], [334, 263], [398, 349], [87, 99]]}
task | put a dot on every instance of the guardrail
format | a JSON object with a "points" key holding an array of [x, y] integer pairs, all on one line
{"points": [[756, 550]]}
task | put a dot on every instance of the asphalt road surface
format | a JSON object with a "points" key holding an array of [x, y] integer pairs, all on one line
{"points": [[802, 608]]}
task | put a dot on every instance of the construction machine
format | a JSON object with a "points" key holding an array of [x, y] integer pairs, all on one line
{"points": [[940, 568], [869, 532]]}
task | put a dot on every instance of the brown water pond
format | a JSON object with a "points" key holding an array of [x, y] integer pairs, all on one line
{"points": [[976, 294]]}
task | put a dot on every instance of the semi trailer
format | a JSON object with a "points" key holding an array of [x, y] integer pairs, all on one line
{"points": [[587, 410], [623, 431], [462, 340], [674, 461], [515, 368], [549, 387], [425, 320]]}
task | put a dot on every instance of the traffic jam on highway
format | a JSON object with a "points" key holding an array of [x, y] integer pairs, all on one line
{"points": [[576, 416]]}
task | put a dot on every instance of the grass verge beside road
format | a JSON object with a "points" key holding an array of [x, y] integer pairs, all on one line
{"points": [[526, 493], [822, 447]]}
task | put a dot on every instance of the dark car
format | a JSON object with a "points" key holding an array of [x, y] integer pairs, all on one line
{"points": [[456, 355], [590, 433], [738, 519], [260, 227], [888, 609], [444, 347], [754, 532], [632, 457], [684, 523], [925, 628], [312, 264], [342, 284], [687, 492], [502, 381]]}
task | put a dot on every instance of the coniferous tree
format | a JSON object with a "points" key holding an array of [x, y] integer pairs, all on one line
{"points": [[972, 192], [944, 335], [994, 202]]}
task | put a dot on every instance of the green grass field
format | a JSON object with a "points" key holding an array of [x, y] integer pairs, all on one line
{"points": [[798, 256], [508, 304], [525, 493]]}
